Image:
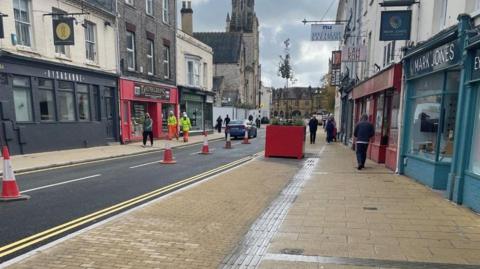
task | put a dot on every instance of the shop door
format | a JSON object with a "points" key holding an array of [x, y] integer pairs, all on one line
{"points": [[138, 110], [109, 112], [125, 121], [166, 108], [195, 112]]}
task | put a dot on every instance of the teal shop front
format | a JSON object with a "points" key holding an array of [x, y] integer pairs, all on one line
{"points": [[433, 73]]}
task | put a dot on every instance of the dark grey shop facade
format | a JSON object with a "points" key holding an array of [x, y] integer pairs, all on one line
{"points": [[46, 106]]}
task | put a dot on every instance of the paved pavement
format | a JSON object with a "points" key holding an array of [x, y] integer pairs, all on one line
{"points": [[35, 161], [318, 213]]}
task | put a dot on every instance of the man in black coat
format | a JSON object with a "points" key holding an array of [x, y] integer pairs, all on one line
{"points": [[364, 131], [313, 125]]}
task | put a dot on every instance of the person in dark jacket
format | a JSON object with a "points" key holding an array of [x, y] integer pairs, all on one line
{"points": [[364, 131], [227, 122], [219, 124], [330, 128], [313, 125]]}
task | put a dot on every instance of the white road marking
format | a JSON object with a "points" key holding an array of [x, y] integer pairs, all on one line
{"points": [[61, 183], [145, 164]]}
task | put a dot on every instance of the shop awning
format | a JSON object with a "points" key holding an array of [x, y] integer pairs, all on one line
{"points": [[387, 79]]}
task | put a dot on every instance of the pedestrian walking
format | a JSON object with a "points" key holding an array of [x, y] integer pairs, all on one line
{"points": [[250, 118], [219, 124], [312, 126], [334, 129], [186, 126], [258, 122], [330, 128], [227, 122], [147, 130], [172, 126], [364, 131]]}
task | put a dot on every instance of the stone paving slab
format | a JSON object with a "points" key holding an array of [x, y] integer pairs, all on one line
{"points": [[35, 161], [195, 228], [373, 214]]}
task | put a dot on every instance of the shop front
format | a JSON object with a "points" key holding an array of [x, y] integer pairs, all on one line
{"points": [[433, 73], [346, 124], [379, 97], [139, 98], [48, 106], [198, 105]]}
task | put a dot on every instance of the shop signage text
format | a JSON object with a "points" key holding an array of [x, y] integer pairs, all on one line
{"points": [[476, 66], [395, 25], [153, 92], [354, 54], [438, 58], [64, 75], [327, 32]]}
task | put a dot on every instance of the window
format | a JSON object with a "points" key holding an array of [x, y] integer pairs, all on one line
{"points": [[45, 99], [166, 62], [475, 153], [90, 47], [96, 112], [443, 13], [62, 50], [205, 75], [131, 51], [66, 103], [22, 99], [129, 2], [150, 57], [166, 12], [23, 27], [193, 74], [477, 5], [83, 102], [392, 52], [149, 7]]}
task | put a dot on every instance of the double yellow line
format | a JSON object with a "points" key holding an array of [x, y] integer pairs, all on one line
{"points": [[31, 240]]}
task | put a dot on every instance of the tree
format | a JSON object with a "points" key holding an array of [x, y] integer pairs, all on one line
{"points": [[285, 69]]}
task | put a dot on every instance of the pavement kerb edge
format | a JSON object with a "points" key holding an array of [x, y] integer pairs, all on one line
{"points": [[58, 165]]}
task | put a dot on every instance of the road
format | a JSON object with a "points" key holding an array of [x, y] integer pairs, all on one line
{"points": [[62, 196]]}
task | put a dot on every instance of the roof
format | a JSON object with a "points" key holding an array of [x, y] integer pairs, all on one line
{"points": [[226, 46]]}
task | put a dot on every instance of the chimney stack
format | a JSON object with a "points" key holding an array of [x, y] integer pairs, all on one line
{"points": [[187, 17]]}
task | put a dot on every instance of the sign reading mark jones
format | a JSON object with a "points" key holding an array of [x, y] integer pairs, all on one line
{"points": [[152, 92], [435, 59], [327, 32]]}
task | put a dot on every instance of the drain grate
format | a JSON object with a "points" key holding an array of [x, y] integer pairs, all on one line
{"points": [[370, 208], [292, 251]]}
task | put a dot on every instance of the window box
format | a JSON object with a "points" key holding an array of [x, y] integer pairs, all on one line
{"points": [[285, 141]]}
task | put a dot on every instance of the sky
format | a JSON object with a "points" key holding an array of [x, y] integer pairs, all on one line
{"points": [[279, 20]]}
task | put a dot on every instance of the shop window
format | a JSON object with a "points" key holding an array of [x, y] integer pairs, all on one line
{"points": [[131, 64], [65, 99], [108, 99], [166, 11], [46, 100], [138, 110], [393, 140], [379, 113], [166, 62], [90, 41], [83, 102], [475, 150], [449, 117], [150, 57], [96, 112], [23, 26], [22, 99]]}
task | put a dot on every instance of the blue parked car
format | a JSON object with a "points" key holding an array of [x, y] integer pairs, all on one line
{"points": [[238, 127]]}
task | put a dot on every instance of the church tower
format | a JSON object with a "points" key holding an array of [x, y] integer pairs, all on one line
{"points": [[243, 16]]}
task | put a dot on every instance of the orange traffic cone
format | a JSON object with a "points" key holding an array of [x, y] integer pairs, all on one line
{"points": [[245, 138], [205, 149], [168, 154], [9, 184], [228, 143]]}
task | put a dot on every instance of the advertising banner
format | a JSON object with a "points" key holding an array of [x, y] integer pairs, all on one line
{"points": [[354, 54], [327, 32], [395, 25]]}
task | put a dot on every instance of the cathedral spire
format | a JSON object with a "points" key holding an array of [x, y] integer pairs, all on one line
{"points": [[228, 22], [243, 16]]}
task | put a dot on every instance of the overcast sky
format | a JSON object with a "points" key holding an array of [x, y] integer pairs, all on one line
{"points": [[279, 20]]}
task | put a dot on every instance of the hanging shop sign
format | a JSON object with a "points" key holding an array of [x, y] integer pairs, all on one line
{"points": [[63, 31], [395, 25], [152, 92], [354, 54], [434, 59], [327, 32], [336, 59]]}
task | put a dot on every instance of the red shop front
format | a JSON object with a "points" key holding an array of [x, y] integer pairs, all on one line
{"points": [[137, 99], [379, 97]]}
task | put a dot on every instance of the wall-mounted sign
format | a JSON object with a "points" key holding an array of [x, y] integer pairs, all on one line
{"points": [[327, 32], [336, 59], [153, 92], [476, 66], [1, 27], [395, 25], [434, 59], [354, 54], [64, 75], [397, 3], [63, 31]]}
